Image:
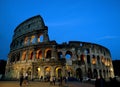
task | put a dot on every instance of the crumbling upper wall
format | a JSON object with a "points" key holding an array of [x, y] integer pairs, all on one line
{"points": [[29, 25]]}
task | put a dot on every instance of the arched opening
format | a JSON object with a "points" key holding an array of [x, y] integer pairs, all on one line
{"points": [[81, 44], [95, 73], [47, 73], [31, 55], [68, 55], [58, 72], [89, 73], [82, 57], [48, 53], [39, 54], [93, 59], [40, 38], [87, 51], [88, 59], [26, 40], [32, 39], [59, 55], [78, 73]]}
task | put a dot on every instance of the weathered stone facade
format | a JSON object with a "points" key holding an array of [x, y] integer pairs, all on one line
{"points": [[31, 51]]}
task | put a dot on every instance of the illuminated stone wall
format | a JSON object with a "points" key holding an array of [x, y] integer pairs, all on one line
{"points": [[32, 52]]}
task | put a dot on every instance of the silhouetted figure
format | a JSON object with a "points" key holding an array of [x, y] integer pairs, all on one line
{"points": [[65, 78], [100, 82], [81, 79], [41, 79], [60, 81], [26, 79], [21, 79], [54, 80]]}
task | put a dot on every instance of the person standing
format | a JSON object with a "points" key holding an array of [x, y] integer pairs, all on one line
{"points": [[21, 79], [54, 80], [26, 78]]}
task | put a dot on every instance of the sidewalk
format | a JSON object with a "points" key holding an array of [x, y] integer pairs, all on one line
{"points": [[43, 84]]}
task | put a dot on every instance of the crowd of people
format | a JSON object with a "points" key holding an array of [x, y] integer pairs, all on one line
{"points": [[52, 80], [99, 82]]}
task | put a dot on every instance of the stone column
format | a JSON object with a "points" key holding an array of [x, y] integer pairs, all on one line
{"points": [[43, 54], [27, 55], [45, 36], [36, 38], [29, 41], [63, 71], [90, 56], [21, 52], [85, 66], [54, 52], [34, 55], [52, 71], [42, 71], [63, 54]]}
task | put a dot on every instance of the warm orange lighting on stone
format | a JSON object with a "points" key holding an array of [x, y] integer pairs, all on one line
{"points": [[93, 61], [24, 55]]}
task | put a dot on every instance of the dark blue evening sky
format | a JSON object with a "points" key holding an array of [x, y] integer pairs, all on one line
{"points": [[95, 21]]}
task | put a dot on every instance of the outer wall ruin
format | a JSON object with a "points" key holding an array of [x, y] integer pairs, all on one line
{"points": [[32, 52]]}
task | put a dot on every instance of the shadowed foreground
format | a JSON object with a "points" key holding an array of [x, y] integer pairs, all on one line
{"points": [[43, 84]]}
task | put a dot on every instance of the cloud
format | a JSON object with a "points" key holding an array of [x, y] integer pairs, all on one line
{"points": [[107, 38]]}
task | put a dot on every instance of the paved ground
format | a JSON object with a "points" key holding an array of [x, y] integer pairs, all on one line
{"points": [[43, 84]]}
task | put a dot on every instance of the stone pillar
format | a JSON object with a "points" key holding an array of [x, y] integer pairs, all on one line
{"points": [[29, 41], [85, 66], [43, 54], [36, 38], [90, 56], [34, 55], [63, 56], [98, 72], [27, 55], [45, 36], [54, 52], [21, 52], [63, 71], [52, 71], [42, 71]]}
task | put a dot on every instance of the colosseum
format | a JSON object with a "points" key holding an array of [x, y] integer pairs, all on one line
{"points": [[32, 52]]}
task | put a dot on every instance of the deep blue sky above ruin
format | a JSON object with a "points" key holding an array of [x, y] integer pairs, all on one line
{"points": [[95, 21]]}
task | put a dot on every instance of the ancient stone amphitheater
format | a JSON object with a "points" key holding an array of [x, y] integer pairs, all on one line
{"points": [[32, 52]]}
